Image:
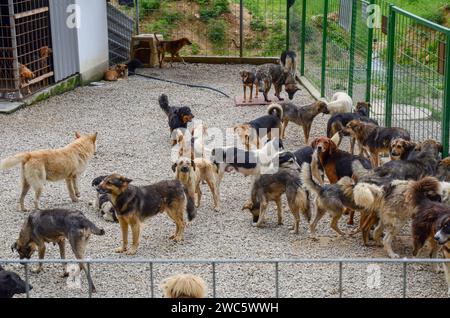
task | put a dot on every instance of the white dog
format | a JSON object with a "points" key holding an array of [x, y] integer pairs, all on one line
{"points": [[340, 103]]}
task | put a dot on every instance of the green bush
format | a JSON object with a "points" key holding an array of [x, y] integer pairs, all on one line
{"points": [[213, 10], [216, 32], [195, 49], [276, 42], [257, 24], [149, 5], [172, 17]]}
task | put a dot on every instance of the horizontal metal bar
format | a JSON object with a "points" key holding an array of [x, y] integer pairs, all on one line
{"points": [[423, 21], [30, 13], [232, 261]]}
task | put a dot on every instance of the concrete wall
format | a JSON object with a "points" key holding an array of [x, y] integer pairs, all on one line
{"points": [[93, 39]]}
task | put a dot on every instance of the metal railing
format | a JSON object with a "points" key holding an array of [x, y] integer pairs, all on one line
{"points": [[379, 53], [213, 263]]}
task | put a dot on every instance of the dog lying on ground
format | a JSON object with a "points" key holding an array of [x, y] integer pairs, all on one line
{"points": [[270, 187], [443, 170], [171, 47], [55, 226], [273, 74], [334, 198], [401, 149], [289, 62], [249, 80], [135, 204], [25, 76], [103, 203], [340, 103], [11, 284], [375, 139], [178, 117], [302, 116], [337, 122], [252, 132], [193, 172], [120, 71], [66, 163], [184, 286]]}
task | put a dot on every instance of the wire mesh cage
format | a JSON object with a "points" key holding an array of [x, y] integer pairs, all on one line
{"points": [[25, 48]]}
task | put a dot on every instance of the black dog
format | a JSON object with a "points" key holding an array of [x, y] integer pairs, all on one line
{"points": [[304, 155], [11, 284], [179, 117], [103, 204]]}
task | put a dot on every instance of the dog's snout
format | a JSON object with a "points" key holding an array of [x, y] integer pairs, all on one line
{"points": [[185, 169]]}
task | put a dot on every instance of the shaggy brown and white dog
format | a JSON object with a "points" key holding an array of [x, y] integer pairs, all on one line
{"points": [[184, 286]]}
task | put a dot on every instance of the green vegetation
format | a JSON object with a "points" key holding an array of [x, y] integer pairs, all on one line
{"points": [[213, 9], [148, 5], [216, 32]]}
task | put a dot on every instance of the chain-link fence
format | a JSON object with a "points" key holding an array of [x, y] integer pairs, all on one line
{"points": [[379, 53]]}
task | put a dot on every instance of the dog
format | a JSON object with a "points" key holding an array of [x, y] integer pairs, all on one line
{"points": [[431, 215], [103, 203], [340, 103], [55, 226], [251, 133], [193, 172], [401, 149], [337, 122], [375, 139], [273, 74], [302, 116], [25, 76], [179, 117], [249, 80], [133, 65], [184, 286], [66, 163], [271, 187], [289, 62], [44, 53], [443, 170], [171, 47], [120, 71], [334, 198], [442, 236], [11, 284], [135, 204], [304, 155]]}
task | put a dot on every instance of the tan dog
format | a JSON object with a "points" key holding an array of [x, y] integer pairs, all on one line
{"points": [[66, 163], [171, 47], [25, 75], [44, 54], [193, 172], [116, 73], [184, 286]]}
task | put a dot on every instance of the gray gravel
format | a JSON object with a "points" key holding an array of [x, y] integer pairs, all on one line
{"points": [[133, 140]]}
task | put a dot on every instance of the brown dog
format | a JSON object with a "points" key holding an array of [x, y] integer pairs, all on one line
{"points": [[116, 73], [135, 204], [66, 163], [171, 47], [249, 80], [400, 149], [25, 76], [44, 54]]}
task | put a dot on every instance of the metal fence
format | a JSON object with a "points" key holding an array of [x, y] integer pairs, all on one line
{"points": [[379, 53], [215, 272], [120, 31]]}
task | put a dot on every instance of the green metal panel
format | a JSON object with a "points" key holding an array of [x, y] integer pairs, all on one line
{"points": [[391, 66], [369, 60], [303, 39], [352, 48], [446, 112], [324, 47]]}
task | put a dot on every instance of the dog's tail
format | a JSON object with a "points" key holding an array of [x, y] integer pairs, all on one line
{"points": [[426, 189], [308, 180], [13, 161], [95, 230], [358, 170], [277, 109], [365, 194], [164, 103], [190, 206]]}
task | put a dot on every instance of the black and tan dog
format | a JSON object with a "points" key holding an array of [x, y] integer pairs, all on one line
{"points": [[172, 47], [271, 187], [249, 80], [337, 122], [179, 117], [135, 204], [11, 284], [251, 133], [273, 74], [103, 203], [375, 139], [289, 62], [302, 116], [55, 226]]}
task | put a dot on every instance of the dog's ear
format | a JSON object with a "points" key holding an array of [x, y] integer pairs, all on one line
{"points": [[14, 247], [409, 145], [314, 143], [440, 147], [77, 135], [333, 148], [94, 137], [193, 164], [174, 167], [126, 180], [248, 205]]}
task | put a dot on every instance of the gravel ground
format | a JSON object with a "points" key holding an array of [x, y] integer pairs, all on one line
{"points": [[133, 140]]}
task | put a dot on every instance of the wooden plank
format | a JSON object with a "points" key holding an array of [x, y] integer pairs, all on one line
{"points": [[441, 64], [38, 79], [30, 13], [227, 60]]}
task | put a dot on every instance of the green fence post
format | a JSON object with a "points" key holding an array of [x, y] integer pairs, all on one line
{"points": [[369, 59], [351, 72], [391, 66], [303, 40], [324, 48], [446, 113]]}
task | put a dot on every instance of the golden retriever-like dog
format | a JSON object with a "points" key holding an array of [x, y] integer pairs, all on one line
{"points": [[66, 163], [184, 286]]}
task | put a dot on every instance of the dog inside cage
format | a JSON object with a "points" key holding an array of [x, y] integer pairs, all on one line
{"points": [[26, 64]]}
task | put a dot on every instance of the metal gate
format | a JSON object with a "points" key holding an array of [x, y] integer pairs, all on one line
{"points": [[120, 31]]}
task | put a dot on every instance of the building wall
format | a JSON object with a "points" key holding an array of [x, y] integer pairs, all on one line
{"points": [[92, 39]]}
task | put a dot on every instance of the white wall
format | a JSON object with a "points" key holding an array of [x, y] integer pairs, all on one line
{"points": [[93, 39]]}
